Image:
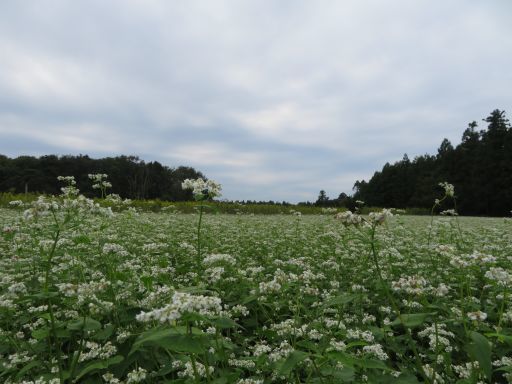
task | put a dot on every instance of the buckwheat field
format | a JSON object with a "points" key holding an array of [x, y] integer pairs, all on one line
{"points": [[98, 295]]}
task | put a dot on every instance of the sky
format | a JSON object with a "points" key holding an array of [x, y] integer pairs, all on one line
{"points": [[273, 99]]}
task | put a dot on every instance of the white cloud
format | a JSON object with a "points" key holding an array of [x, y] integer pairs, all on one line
{"points": [[72, 137], [276, 98], [218, 154]]}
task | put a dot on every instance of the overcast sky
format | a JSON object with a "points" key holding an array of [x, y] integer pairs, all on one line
{"points": [[273, 99]]}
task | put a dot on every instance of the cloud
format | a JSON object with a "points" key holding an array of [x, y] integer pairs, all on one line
{"points": [[276, 100]]}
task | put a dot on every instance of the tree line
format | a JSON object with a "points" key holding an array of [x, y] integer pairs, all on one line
{"points": [[480, 168], [130, 176]]}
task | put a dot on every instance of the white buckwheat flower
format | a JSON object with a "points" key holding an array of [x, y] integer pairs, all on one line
{"points": [[449, 189], [477, 316], [202, 189], [182, 303]]}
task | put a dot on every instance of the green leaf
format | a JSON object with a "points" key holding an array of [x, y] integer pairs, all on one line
{"points": [[406, 378], [101, 364], [249, 299], [221, 380], [82, 239], [372, 364], [356, 344], [291, 361], [86, 324], [104, 334], [41, 333], [340, 300], [192, 316], [480, 350], [501, 338], [352, 361], [224, 323], [170, 339], [250, 322], [27, 368], [152, 337], [166, 369], [411, 320], [382, 378], [194, 289], [184, 343], [45, 316], [225, 377], [62, 333], [45, 295], [307, 344], [343, 358], [227, 344], [346, 374]]}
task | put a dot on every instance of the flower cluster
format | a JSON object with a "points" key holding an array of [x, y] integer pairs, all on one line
{"points": [[449, 189], [100, 180], [376, 350], [202, 189], [348, 218], [219, 258], [499, 275], [477, 316], [70, 189], [182, 303], [191, 370], [136, 376], [380, 217], [474, 259], [70, 206], [438, 336], [413, 285]]}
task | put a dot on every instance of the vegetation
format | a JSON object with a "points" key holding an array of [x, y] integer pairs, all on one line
{"points": [[90, 295], [214, 207], [130, 176], [480, 168]]}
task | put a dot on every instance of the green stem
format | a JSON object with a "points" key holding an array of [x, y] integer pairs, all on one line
{"points": [[49, 260], [77, 354], [46, 290], [54, 336], [395, 306], [502, 309], [317, 370], [432, 218], [457, 220], [198, 261], [462, 307], [194, 368]]}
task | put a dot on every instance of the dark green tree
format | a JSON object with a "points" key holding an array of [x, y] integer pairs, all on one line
{"points": [[322, 200], [480, 167], [130, 176]]}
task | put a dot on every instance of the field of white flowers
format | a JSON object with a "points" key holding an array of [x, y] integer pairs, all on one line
{"points": [[91, 296]]}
